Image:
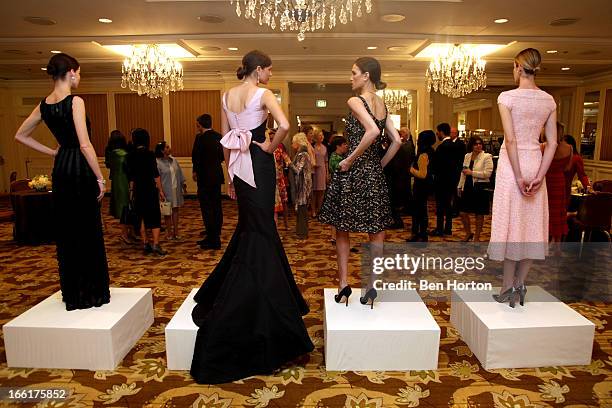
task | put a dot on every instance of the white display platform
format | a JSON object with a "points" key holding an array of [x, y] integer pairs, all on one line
{"points": [[48, 336], [181, 336], [392, 336], [544, 332]]}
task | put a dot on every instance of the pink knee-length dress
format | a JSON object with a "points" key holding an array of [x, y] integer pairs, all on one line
{"points": [[519, 225]]}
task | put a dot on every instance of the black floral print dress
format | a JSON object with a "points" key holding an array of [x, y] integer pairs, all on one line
{"points": [[357, 200]]}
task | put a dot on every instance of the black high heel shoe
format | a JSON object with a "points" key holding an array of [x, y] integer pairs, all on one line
{"points": [[345, 292], [507, 296], [522, 291], [369, 295]]}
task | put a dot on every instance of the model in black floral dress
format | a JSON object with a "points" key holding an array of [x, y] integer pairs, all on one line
{"points": [[357, 200]]}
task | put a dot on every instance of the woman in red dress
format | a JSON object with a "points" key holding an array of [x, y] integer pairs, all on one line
{"points": [[557, 191]]}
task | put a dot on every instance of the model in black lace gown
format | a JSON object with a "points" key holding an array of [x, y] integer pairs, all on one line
{"points": [[81, 256], [249, 310]]}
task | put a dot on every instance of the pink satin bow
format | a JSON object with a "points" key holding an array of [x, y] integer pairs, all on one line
{"points": [[240, 164]]}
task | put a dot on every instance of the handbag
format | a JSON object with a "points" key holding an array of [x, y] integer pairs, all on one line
{"points": [[165, 207], [128, 215]]}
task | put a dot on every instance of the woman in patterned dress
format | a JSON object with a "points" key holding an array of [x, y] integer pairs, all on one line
{"points": [[357, 198]]}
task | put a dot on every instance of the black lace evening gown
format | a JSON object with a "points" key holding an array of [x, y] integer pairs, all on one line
{"points": [[81, 255], [249, 310]]}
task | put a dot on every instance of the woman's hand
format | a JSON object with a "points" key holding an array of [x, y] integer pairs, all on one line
{"points": [[468, 172], [162, 196], [345, 164], [459, 192], [55, 151], [265, 145], [524, 187], [231, 191], [535, 185], [102, 188]]}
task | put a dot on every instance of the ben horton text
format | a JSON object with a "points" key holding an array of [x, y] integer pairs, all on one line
{"points": [[411, 264]]}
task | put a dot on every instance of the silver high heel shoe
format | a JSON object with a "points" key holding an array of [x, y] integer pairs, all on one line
{"points": [[522, 291], [507, 296]]}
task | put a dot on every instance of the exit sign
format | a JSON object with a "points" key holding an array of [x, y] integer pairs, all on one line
{"points": [[321, 103]]}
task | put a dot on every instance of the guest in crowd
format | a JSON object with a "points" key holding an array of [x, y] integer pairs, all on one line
{"points": [[519, 223], [357, 198], [145, 185], [173, 184], [556, 188], [206, 156], [475, 177], [78, 187], [447, 163], [281, 201], [576, 167], [320, 177], [423, 183], [407, 155], [115, 159], [338, 146], [302, 188], [397, 174]]}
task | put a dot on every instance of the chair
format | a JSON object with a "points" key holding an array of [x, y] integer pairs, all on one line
{"points": [[17, 185], [603, 186], [594, 214]]}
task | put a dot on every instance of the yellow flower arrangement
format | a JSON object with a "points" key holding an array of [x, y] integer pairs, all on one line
{"points": [[40, 183]]}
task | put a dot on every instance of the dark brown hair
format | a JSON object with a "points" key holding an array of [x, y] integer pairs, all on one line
{"points": [[472, 142], [60, 64], [372, 67], [530, 59], [251, 61]]}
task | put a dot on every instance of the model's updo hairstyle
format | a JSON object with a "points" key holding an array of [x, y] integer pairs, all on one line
{"points": [[371, 66], [251, 61], [530, 59], [60, 64]]}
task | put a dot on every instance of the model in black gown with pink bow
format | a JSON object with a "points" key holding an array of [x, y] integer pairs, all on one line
{"points": [[249, 310]]}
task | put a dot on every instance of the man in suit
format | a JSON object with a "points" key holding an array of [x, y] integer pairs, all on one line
{"points": [[447, 166], [206, 156]]}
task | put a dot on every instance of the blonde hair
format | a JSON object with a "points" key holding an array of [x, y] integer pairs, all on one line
{"points": [[300, 139], [530, 59]]}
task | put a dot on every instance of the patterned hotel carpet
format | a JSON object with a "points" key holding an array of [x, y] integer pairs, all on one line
{"points": [[142, 380]]}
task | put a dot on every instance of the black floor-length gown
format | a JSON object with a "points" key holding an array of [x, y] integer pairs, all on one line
{"points": [[249, 310], [81, 255]]}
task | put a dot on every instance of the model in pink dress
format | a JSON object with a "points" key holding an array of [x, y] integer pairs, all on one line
{"points": [[519, 225]]}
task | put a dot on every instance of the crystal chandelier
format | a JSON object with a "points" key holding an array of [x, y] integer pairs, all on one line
{"points": [[456, 73], [395, 99], [149, 70], [301, 15]]}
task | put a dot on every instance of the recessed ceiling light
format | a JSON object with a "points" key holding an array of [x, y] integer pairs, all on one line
{"points": [[55, 52], [501, 20], [565, 69], [372, 48], [46, 21], [105, 20], [43, 69], [233, 48], [552, 51], [393, 18]]}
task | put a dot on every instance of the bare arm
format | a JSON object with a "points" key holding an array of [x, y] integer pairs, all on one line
{"points": [[512, 148], [80, 124], [225, 127], [271, 104], [24, 133], [371, 132], [550, 131], [396, 141]]}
